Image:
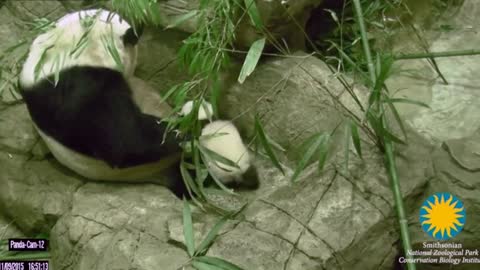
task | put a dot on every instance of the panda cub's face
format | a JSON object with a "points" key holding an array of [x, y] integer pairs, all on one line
{"points": [[92, 37], [223, 138]]}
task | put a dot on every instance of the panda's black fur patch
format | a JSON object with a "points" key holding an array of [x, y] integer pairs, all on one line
{"points": [[132, 36], [91, 111]]}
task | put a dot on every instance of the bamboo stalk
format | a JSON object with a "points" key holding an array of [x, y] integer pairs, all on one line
{"points": [[389, 156], [436, 54], [366, 46]]}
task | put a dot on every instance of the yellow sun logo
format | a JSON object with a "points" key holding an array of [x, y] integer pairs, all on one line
{"points": [[442, 216]]}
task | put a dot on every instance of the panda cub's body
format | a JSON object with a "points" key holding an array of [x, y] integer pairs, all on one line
{"points": [[223, 138], [85, 112]]}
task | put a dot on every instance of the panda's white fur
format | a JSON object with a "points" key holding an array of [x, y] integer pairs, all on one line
{"points": [[68, 32], [223, 138], [42, 59], [96, 169], [205, 110]]}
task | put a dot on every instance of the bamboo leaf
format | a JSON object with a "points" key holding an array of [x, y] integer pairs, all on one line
{"points": [[39, 64], [392, 137], [182, 18], [378, 66], [57, 65], [4, 86], [181, 95], [206, 160], [81, 44], [384, 67], [274, 144], [208, 62], [317, 140], [215, 96], [355, 138], [193, 64], [218, 262], [221, 185], [334, 16], [251, 60], [214, 135], [183, 54], [374, 96], [189, 183], [214, 156], [204, 3], [10, 49], [172, 90], [212, 234], [409, 101], [323, 152], [188, 228], [111, 48], [264, 142], [380, 130], [346, 148], [138, 11], [225, 61], [201, 172], [253, 13], [398, 119], [204, 266]]}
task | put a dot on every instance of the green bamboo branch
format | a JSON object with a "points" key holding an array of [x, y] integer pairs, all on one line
{"points": [[366, 46], [388, 146], [425, 46], [436, 54]]}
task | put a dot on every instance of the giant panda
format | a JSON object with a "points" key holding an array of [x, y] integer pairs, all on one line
{"points": [[223, 138], [86, 113]]}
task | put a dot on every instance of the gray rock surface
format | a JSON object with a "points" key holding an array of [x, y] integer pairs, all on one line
{"points": [[8, 229], [296, 97], [117, 227], [454, 109], [17, 133]]}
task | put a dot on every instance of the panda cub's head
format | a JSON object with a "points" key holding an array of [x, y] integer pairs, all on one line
{"points": [[94, 37], [223, 138]]}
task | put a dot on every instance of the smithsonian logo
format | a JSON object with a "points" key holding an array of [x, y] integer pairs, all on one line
{"points": [[442, 216]]}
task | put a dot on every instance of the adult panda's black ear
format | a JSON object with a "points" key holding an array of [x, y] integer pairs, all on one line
{"points": [[132, 36]]}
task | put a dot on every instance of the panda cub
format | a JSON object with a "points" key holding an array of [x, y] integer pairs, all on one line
{"points": [[75, 85], [223, 138]]}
